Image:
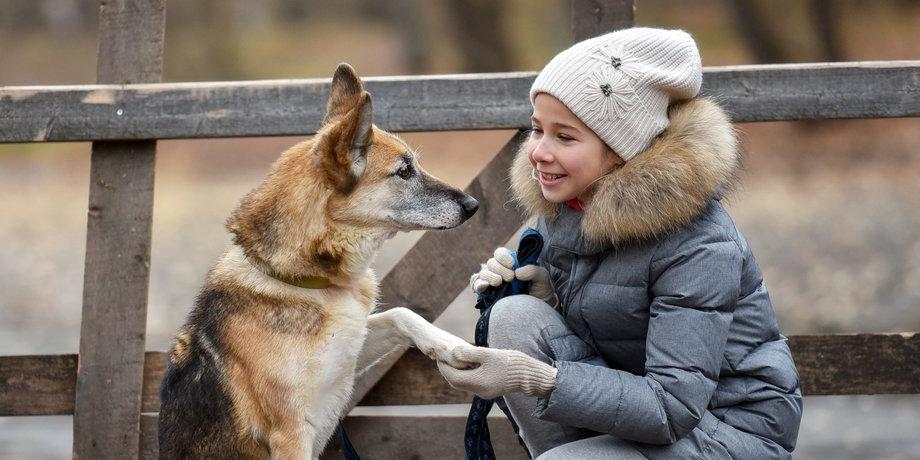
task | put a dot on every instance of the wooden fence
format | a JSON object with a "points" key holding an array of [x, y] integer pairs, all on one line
{"points": [[111, 386]]}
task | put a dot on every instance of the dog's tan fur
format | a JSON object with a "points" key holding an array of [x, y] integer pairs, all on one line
{"points": [[266, 367], [662, 188]]}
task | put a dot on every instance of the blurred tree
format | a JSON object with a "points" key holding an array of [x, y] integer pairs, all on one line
{"points": [[64, 18], [222, 40], [408, 18], [758, 28], [408, 15], [293, 10], [825, 17], [20, 16], [202, 41], [479, 34], [758, 36]]}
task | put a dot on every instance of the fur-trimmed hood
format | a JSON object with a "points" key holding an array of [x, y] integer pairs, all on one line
{"points": [[662, 188]]}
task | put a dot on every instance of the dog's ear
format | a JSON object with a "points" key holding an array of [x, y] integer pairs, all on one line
{"points": [[343, 148], [344, 94], [364, 133]]}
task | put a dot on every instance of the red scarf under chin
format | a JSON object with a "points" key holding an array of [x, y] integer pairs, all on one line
{"points": [[575, 204]]}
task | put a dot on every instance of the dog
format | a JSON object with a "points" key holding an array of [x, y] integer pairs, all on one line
{"points": [[265, 363]]}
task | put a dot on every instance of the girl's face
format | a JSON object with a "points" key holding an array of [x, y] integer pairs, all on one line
{"points": [[567, 155]]}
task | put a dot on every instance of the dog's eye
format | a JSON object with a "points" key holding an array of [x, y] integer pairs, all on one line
{"points": [[405, 172]]}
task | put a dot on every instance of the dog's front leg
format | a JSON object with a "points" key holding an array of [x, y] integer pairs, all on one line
{"points": [[383, 338], [398, 329], [292, 441]]}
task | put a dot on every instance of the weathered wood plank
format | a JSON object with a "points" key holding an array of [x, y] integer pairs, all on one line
{"points": [[110, 369], [387, 437], [817, 91], [154, 368], [430, 103], [858, 364], [255, 108], [148, 447], [832, 364], [45, 384], [591, 18], [37, 385], [113, 327]]}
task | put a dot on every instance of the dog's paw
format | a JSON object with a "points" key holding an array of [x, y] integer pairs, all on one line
{"points": [[442, 349], [454, 359], [450, 356]]}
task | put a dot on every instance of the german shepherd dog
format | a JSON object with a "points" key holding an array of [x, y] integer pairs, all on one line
{"points": [[265, 364]]}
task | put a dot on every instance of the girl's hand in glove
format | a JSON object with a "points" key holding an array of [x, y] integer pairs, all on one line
{"points": [[540, 285], [499, 269], [498, 372], [494, 272]]}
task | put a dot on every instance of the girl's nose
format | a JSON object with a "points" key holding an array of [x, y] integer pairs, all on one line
{"points": [[541, 153]]}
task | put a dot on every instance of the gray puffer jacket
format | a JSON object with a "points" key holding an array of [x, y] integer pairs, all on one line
{"points": [[654, 275]]}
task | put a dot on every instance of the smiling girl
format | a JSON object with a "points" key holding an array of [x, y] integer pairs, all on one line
{"points": [[648, 331]]}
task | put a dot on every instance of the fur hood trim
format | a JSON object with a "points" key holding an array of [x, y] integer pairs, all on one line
{"points": [[660, 189]]}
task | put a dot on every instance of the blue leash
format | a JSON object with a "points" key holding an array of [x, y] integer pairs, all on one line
{"points": [[477, 442], [348, 450]]}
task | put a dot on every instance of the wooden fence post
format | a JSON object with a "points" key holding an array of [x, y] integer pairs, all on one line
{"points": [[117, 266]]}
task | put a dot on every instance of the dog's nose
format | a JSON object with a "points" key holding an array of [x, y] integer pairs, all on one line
{"points": [[469, 205]]}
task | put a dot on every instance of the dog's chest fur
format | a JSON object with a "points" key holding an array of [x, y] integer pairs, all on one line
{"points": [[296, 356]]}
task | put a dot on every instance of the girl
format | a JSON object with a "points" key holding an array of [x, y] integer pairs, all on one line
{"points": [[649, 332]]}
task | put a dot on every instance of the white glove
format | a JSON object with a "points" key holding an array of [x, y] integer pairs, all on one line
{"points": [[499, 372], [496, 270], [541, 286]]}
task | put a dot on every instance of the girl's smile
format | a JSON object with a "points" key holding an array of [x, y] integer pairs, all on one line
{"points": [[550, 180]]}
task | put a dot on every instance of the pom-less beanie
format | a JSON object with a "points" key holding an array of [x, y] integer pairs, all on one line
{"points": [[620, 84]]}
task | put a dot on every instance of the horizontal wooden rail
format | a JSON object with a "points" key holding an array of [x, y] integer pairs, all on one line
{"points": [[391, 437], [834, 364], [423, 437], [44, 384], [427, 103], [828, 364]]}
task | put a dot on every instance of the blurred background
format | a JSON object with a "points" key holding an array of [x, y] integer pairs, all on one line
{"points": [[830, 208]]}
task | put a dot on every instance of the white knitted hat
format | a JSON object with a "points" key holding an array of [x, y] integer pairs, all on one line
{"points": [[620, 84]]}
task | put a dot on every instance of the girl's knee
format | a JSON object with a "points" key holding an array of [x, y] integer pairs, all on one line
{"points": [[516, 321], [603, 446], [518, 310]]}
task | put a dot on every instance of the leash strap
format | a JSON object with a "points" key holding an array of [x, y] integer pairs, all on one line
{"points": [[348, 450], [477, 442]]}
